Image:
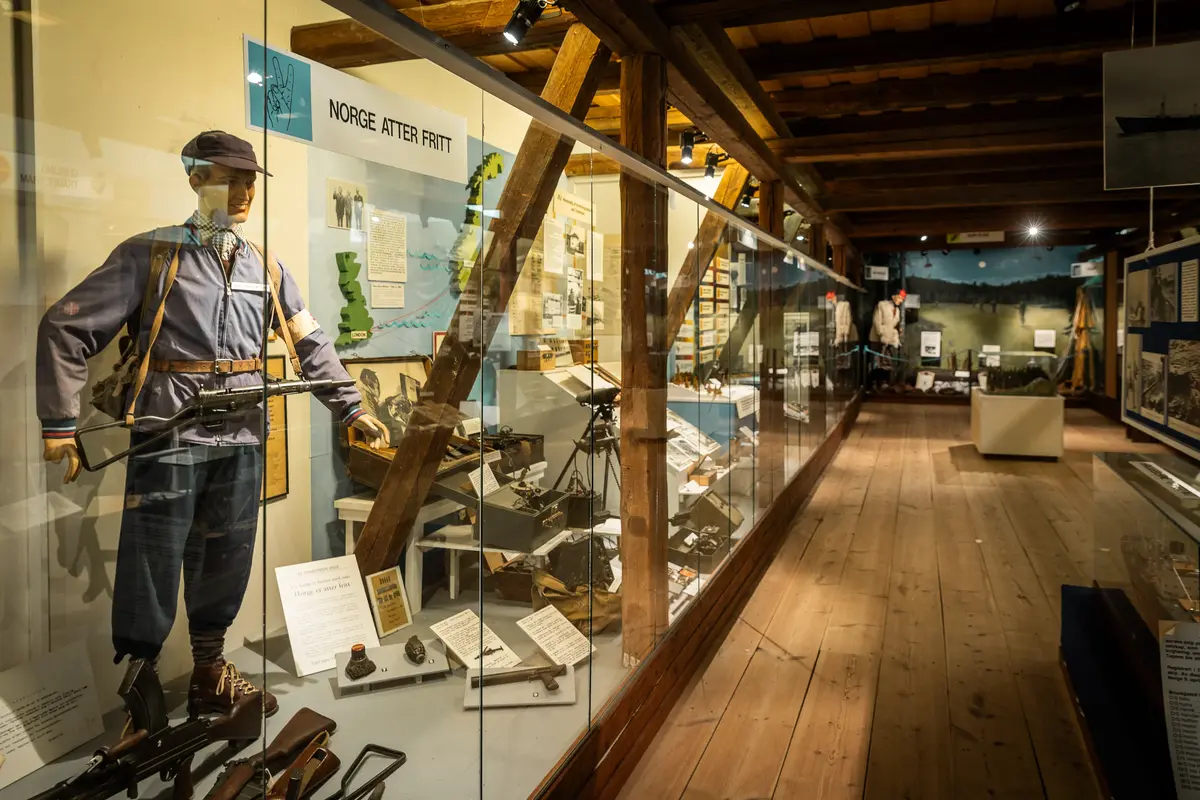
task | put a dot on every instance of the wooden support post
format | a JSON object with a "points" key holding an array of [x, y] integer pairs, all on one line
{"points": [[709, 238], [817, 243], [1112, 300], [772, 422], [839, 259], [523, 204], [644, 597]]}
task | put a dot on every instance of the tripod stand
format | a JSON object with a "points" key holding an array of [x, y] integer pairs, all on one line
{"points": [[599, 435]]}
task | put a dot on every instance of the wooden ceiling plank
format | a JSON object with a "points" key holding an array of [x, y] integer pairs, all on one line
{"points": [[476, 26], [1088, 32], [764, 12]]}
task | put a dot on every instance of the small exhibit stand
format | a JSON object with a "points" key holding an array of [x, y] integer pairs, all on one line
{"points": [[1017, 425]]}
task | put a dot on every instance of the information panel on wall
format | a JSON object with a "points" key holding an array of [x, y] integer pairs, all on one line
{"points": [[299, 99], [1161, 385]]}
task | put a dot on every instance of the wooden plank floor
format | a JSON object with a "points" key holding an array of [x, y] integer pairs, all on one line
{"points": [[903, 643]]}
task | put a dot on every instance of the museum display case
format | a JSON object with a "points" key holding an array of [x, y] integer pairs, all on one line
{"points": [[1148, 533], [1019, 374], [452, 410]]}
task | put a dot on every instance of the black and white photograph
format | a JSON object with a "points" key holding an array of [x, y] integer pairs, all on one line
{"points": [[1154, 387], [1137, 299], [575, 298], [1152, 117], [345, 204], [1164, 293], [1183, 387], [390, 388], [1133, 372]]}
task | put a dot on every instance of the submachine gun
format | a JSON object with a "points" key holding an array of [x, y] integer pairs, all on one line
{"points": [[209, 406], [152, 746]]}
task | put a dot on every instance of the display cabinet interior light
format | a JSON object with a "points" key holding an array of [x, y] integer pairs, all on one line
{"points": [[524, 17]]}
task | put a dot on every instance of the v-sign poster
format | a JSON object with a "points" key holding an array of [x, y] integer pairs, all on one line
{"points": [[299, 99]]}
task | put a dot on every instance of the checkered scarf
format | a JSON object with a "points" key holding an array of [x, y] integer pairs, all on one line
{"points": [[225, 240]]}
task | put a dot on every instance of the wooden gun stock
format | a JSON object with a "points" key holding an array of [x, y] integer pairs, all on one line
{"points": [[304, 726]]}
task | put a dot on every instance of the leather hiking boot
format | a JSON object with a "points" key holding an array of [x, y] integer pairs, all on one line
{"points": [[216, 687]]}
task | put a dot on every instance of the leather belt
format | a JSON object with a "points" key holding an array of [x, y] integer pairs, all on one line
{"points": [[219, 367]]}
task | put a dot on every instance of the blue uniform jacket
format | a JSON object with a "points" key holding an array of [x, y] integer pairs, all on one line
{"points": [[208, 316]]}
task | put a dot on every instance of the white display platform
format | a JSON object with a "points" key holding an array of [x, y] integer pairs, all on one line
{"points": [[1013, 425]]}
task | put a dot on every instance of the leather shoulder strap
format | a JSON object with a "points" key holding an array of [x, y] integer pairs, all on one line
{"points": [[158, 254], [275, 274]]}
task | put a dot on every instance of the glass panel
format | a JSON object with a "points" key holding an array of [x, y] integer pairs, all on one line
{"points": [[393, 227], [492, 462]]}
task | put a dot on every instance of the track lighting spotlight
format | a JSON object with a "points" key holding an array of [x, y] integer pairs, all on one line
{"points": [[687, 143], [710, 164], [524, 17], [1067, 6], [745, 202]]}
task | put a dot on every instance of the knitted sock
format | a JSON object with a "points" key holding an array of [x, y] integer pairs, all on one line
{"points": [[208, 648]]}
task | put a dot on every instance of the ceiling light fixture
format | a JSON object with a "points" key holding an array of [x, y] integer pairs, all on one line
{"points": [[687, 143], [1033, 231], [710, 164], [524, 17], [924, 237]]}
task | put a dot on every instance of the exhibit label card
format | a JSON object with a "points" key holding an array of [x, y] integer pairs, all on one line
{"points": [[1188, 287], [1044, 338], [387, 295], [1179, 656], [556, 636], [387, 248], [467, 638], [931, 344], [389, 601], [48, 707], [484, 480], [326, 611]]}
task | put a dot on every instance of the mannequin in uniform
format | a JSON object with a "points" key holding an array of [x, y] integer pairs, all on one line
{"points": [[885, 331], [191, 500]]}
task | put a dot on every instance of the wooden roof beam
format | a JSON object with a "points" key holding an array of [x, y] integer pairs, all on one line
{"points": [[937, 171], [939, 91], [940, 221], [923, 142], [632, 26], [913, 244], [1052, 192]]}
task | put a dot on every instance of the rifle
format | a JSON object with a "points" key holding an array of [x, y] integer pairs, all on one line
{"points": [[251, 773], [209, 405], [153, 746]]}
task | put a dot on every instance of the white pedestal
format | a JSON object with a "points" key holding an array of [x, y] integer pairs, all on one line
{"points": [[1008, 425]]}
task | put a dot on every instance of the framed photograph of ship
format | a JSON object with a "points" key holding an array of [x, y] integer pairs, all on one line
{"points": [[1152, 117]]}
